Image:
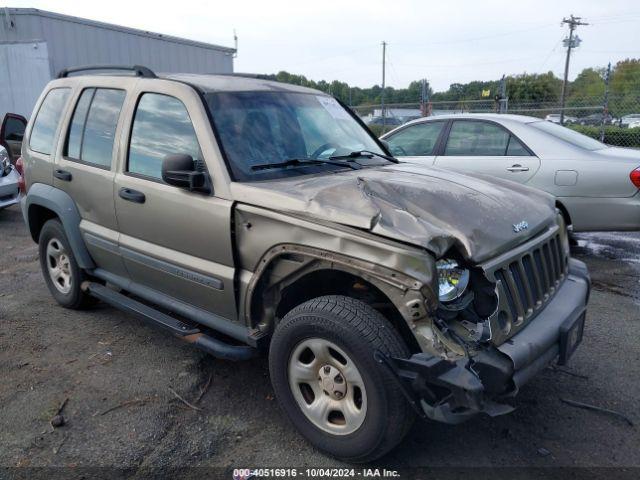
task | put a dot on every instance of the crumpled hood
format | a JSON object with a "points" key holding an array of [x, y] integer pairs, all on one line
{"points": [[420, 205]]}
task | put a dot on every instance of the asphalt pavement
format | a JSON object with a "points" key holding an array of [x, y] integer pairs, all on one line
{"points": [[124, 387]]}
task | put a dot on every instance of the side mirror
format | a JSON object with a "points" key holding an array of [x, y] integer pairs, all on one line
{"points": [[179, 170], [386, 144]]}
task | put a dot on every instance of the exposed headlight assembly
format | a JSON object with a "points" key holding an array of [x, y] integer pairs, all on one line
{"points": [[453, 280]]}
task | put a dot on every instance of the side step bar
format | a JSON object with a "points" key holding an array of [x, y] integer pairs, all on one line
{"points": [[188, 333]]}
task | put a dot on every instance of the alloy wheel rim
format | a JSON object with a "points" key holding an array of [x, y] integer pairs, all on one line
{"points": [[327, 386], [59, 266]]}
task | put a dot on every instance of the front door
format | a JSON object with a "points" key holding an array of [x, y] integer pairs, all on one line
{"points": [[416, 143], [12, 133], [85, 170], [172, 240], [488, 148]]}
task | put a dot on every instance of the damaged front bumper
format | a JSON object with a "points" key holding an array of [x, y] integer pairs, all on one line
{"points": [[453, 391]]}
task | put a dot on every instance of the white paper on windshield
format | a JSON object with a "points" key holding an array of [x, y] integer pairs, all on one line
{"points": [[333, 107]]}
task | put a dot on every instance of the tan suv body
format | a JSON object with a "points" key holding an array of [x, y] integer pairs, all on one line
{"points": [[244, 215]]}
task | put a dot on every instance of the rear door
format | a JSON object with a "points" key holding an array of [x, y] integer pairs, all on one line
{"points": [[489, 148], [416, 143], [85, 169], [172, 240]]}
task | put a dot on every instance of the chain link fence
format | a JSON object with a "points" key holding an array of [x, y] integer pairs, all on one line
{"points": [[614, 121]]}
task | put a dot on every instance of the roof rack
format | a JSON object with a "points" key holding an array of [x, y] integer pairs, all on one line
{"points": [[139, 70]]}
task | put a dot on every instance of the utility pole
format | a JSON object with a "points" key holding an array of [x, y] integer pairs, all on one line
{"points": [[570, 43], [605, 106], [502, 106], [384, 54]]}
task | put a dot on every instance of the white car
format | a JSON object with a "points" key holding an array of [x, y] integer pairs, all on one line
{"points": [[596, 186], [9, 191], [630, 121]]}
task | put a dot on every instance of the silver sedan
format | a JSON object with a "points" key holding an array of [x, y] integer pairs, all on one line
{"points": [[596, 186]]}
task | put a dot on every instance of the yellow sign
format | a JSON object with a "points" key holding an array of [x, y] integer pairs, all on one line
{"points": [[486, 93]]}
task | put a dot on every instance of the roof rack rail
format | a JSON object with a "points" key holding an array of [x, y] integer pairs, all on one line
{"points": [[243, 75], [139, 70]]}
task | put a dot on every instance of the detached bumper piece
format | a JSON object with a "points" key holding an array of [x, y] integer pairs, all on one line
{"points": [[454, 391]]}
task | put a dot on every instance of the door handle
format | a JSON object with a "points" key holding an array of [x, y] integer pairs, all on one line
{"points": [[62, 175], [517, 168], [131, 195]]}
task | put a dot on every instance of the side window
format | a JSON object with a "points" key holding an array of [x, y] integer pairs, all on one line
{"points": [[93, 127], [476, 138], [14, 129], [516, 149], [161, 127], [76, 129], [47, 119], [417, 140]]}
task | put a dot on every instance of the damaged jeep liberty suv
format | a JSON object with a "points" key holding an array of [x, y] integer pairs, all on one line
{"points": [[247, 216]]}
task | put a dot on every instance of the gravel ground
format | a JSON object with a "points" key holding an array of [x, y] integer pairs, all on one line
{"points": [[119, 376]]}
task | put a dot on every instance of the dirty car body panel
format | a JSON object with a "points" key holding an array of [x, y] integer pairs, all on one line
{"points": [[260, 239]]}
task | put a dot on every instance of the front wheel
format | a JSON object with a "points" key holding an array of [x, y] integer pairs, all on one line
{"points": [[325, 377]]}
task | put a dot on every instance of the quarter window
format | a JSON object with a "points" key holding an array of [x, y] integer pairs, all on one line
{"points": [[516, 149], [473, 138], [416, 140], [93, 127], [47, 119], [161, 127]]}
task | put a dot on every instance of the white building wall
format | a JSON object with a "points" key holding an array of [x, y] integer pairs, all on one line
{"points": [[74, 41]]}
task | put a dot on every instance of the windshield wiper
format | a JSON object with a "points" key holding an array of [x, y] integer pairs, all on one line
{"points": [[364, 153], [303, 162]]}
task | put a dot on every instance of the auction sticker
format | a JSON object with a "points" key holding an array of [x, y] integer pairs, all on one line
{"points": [[332, 106]]}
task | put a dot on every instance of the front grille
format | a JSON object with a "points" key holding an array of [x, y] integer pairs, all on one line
{"points": [[527, 280]]}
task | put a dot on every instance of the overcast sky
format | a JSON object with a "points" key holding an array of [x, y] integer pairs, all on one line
{"points": [[446, 42]]}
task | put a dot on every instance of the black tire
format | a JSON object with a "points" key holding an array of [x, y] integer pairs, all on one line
{"points": [[359, 330], [75, 298]]}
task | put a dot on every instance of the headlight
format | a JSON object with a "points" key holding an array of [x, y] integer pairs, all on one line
{"points": [[5, 163], [452, 280]]}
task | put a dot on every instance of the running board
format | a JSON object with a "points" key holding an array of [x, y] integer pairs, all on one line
{"points": [[181, 329]]}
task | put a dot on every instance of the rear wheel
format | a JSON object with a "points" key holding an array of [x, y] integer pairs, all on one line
{"points": [[59, 267], [326, 379]]}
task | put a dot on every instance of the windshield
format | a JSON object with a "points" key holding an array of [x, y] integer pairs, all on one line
{"points": [[568, 135], [259, 128]]}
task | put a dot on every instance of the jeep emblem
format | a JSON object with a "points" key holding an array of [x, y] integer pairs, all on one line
{"points": [[518, 227]]}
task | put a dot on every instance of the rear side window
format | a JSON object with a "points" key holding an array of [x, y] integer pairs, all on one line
{"points": [[482, 139], [93, 127], [47, 119], [161, 127], [416, 140]]}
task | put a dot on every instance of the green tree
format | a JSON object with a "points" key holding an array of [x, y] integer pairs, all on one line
{"points": [[625, 87]]}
